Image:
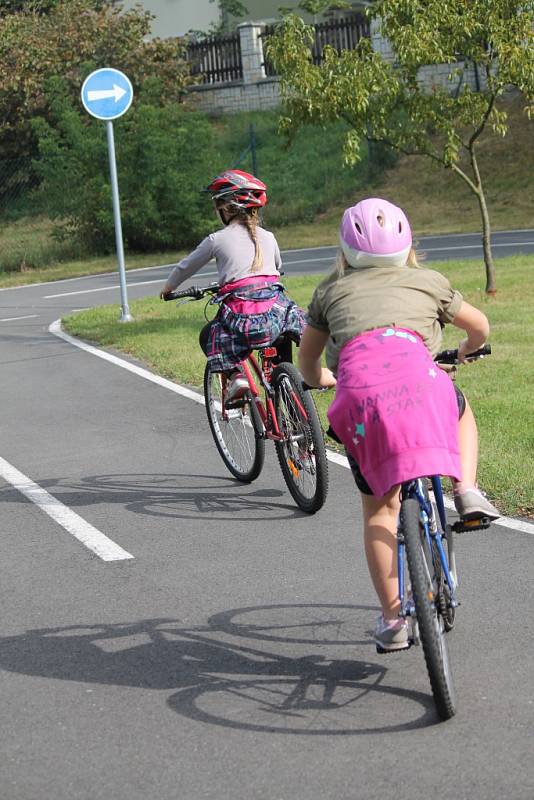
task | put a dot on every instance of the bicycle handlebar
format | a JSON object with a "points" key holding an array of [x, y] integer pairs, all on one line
{"points": [[194, 292], [451, 356]]}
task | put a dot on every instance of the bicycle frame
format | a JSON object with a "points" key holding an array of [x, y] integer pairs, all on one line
{"points": [[256, 374], [433, 535]]}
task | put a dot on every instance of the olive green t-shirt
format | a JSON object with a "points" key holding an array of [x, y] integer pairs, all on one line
{"points": [[380, 297]]}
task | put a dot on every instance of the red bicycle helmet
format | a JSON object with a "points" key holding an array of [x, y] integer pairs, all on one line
{"points": [[241, 189]]}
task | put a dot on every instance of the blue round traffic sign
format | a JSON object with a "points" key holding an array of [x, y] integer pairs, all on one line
{"points": [[107, 93]]}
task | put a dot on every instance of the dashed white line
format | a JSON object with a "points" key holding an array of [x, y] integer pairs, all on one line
{"points": [[100, 289], [108, 288], [83, 531], [12, 319], [336, 458]]}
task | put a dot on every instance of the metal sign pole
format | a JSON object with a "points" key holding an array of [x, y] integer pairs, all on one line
{"points": [[125, 311], [107, 94]]}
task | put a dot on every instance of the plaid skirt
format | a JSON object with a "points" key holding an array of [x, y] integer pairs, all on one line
{"points": [[232, 337]]}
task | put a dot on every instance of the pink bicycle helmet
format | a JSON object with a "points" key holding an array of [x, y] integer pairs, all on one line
{"points": [[375, 233]]}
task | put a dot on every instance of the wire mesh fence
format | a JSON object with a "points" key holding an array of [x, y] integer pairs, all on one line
{"points": [[18, 183]]}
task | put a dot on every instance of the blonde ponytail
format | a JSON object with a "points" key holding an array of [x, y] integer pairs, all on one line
{"points": [[250, 221]]}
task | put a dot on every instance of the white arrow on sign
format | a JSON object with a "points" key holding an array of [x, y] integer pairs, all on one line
{"points": [[102, 94]]}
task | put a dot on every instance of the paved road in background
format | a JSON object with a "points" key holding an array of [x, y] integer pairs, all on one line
{"points": [[229, 657]]}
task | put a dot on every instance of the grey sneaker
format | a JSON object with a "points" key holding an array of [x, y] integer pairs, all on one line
{"points": [[472, 504], [391, 635], [236, 387]]}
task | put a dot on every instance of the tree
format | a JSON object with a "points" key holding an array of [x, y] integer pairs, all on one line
{"points": [[383, 99], [164, 154], [68, 39]]}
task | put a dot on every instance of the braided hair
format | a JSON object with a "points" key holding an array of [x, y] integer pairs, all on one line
{"points": [[249, 218]]}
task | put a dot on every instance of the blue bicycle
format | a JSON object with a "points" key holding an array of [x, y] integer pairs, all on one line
{"points": [[428, 578]]}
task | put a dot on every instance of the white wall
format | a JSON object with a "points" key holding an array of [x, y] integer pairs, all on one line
{"points": [[176, 17]]}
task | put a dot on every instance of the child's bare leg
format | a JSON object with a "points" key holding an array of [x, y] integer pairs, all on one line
{"points": [[380, 517], [468, 436], [469, 501]]}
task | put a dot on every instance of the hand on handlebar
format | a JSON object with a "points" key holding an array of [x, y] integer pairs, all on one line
{"points": [[464, 349]]}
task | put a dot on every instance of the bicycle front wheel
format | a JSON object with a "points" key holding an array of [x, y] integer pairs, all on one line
{"points": [[425, 590], [238, 432], [301, 453]]}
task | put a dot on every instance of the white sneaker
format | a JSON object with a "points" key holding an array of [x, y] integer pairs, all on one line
{"points": [[236, 387], [391, 635], [471, 504]]}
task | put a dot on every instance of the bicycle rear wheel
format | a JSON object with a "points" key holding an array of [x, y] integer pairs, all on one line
{"points": [[302, 453], [431, 625], [237, 431]]}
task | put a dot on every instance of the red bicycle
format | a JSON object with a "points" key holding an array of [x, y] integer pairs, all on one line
{"points": [[285, 413]]}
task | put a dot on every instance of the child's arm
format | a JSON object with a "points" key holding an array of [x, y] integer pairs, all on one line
{"points": [[188, 266], [311, 346], [475, 324]]}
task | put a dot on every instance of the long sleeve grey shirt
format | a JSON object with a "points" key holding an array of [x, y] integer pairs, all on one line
{"points": [[233, 251]]}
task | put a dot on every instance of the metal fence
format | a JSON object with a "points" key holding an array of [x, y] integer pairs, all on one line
{"points": [[216, 59], [341, 34], [17, 182]]}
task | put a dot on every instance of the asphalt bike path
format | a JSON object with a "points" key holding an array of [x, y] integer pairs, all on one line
{"points": [[229, 656]]}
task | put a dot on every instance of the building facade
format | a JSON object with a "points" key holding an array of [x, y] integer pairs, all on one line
{"points": [[178, 17]]}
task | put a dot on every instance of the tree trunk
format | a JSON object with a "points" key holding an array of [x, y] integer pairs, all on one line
{"points": [[486, 245], [486, 227]]}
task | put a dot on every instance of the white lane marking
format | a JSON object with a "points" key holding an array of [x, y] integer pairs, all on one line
{"points": [[108, 288], [84, 277], [309, 260], [423, 239], [91, 537], [470, 246], [12, 319], [55, 328], [100, 289], [336, 458]]}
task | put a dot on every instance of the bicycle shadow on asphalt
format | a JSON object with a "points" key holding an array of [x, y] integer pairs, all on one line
{"points": [[218, 679], [215, 496]]}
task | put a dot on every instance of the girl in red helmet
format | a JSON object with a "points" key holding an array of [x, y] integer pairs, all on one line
{"points": [[398, 415], [254, 309]]}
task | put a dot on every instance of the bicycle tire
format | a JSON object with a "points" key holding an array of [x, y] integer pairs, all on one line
{"points": [[239, 436], [430, 622], [302, 453]]}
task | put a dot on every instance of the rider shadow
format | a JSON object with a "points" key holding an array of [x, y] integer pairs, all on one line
{"points": [[157, 495], [228, 683]]}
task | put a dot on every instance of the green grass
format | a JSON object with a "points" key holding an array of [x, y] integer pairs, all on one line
{"points": [[498, 388]]}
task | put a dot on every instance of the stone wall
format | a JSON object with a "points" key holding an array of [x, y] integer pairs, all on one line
{"points": [[434, 75], [257, 92]]}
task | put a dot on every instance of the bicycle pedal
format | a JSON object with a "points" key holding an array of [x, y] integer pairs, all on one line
{"points": [[240, 402], [468, 525]]}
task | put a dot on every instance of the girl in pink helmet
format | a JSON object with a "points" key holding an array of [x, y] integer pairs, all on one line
{"points": [[398, 415]]}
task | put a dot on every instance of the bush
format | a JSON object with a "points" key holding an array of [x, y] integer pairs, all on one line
{"points": [[164, 155]]}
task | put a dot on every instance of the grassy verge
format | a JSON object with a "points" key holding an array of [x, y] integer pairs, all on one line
{"points": [[165, 337]]}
